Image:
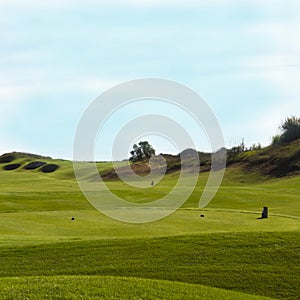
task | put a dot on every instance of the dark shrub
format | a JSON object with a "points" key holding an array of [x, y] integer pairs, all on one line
{"points": [[34, 165], [11, 167], [6, 158], [290, 129], [49, 168]]}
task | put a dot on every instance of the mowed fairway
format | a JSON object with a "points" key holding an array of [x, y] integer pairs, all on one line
{"points": [[227, 254]]}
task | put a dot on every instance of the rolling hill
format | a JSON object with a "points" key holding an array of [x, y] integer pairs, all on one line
{"points": [[273, 161], [53, 243]]}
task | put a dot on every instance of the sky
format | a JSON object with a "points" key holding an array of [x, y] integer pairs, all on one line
{"points": [[56, 57]]}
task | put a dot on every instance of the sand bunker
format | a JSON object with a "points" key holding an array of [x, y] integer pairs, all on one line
{"points": [[11, 167], [34, 165], [49, 168]]}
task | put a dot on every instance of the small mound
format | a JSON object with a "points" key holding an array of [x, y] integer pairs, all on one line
{"points": [[49, 168], [34, 165], [11, 167], [7, 158]]}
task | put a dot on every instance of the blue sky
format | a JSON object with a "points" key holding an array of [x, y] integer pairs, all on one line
{"points": [[241, 56]]}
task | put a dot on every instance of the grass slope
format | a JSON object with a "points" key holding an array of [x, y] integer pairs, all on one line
{"points": [[107, 287], [277, 161], [255, 263], [230, 248]]}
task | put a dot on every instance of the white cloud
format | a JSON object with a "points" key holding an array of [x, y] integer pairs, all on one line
{"points": [[193, 3], [280, 68], [272, 61], [15, 98], [34, 4], [17, 87], [57, 4], [23, 56], [10, 99]]}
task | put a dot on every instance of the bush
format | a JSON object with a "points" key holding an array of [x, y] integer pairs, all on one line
{"points": [[276, 139], [290, 128]]}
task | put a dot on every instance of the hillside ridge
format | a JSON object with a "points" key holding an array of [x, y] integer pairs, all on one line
{"points": [[274, 161]]}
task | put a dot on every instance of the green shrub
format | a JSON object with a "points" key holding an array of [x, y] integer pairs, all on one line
{"points": [[290, 128], [276, 139]]}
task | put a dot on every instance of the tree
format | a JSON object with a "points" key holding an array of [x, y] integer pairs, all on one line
{"points": [[141, 152], [290, 131]]}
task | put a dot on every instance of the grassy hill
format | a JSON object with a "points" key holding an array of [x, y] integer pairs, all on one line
{"points": [[275, 161], [228, 254]]}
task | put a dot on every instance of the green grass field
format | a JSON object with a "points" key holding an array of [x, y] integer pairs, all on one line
{"points": [[228, 254]]}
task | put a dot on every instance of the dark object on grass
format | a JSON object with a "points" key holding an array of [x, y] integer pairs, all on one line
{"points": [[11, 167], [152, 182], [7, 158], [265, 211], [34, 165], [49, 168], [73, 219], [202, 216]]}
